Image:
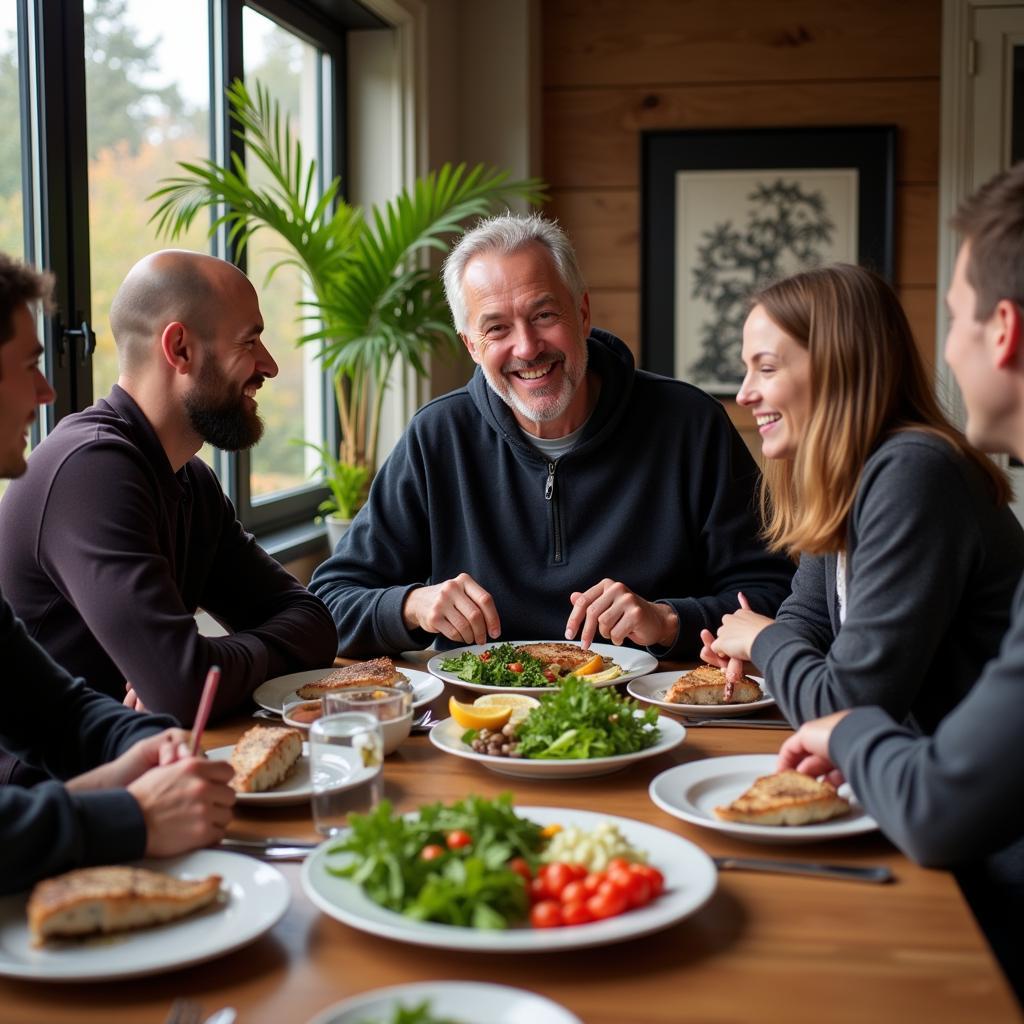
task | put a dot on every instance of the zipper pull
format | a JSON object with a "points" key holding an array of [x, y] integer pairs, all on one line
{"points": [[549, 487]]}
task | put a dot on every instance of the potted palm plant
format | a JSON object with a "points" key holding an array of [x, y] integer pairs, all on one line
{"points": [[375, 300]]}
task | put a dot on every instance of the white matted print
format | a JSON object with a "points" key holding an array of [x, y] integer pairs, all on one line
{"points": [[736, 231]]}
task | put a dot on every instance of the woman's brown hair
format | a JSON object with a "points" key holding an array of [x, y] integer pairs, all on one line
{"points": [[867, 383]]}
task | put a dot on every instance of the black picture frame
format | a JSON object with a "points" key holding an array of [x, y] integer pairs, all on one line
{"points": [[869, 150]]}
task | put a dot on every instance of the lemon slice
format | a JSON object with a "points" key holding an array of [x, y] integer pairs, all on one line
{"points": [[520, 704], [602, 677], [469, 716], [595, 664]]}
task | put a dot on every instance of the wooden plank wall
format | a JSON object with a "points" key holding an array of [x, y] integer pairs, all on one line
{"points": [[613, 68]]}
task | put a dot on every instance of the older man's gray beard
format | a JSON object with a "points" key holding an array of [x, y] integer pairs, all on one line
{"points": [[572, 375]]}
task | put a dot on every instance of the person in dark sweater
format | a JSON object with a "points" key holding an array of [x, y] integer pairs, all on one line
{"points": [[909, 553], [956, 799], [562, 492], [130, 789], [118, 531]]}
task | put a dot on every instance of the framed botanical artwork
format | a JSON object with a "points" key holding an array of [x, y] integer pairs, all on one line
{"points": [[726, 211]]}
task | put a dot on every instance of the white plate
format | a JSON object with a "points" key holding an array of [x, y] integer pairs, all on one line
{"points": [[275, 693], [469, 1002], [632, 661], [690, 880], [254, 897], [297, 788], [692, 791], [447, 736], [651, 690]]}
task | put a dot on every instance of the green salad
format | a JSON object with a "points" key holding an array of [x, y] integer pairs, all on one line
{"points": [[445, 863], [419, 1014], [502, 665], [578, 722]]}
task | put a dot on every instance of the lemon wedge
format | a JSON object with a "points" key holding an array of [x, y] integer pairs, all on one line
{"points": [[595, 664], [469, 716], [520, 704], [603, 677]]}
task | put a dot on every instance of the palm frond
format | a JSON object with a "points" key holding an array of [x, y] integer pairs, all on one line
{"points": [[375, 301]]}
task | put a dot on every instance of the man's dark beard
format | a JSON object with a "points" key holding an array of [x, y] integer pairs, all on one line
{"points": [[220, 419]]}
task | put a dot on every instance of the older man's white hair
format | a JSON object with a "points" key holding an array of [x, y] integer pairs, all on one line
{"points": [[508, 233]]}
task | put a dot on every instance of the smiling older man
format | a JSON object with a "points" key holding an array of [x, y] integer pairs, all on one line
{"points": [[562, 492], [118, 532]]}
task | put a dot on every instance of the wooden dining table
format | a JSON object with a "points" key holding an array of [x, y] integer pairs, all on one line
{"points": [[765, 948]]}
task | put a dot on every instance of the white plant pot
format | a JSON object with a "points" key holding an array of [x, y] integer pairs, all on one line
{"points": [[336, 528]]}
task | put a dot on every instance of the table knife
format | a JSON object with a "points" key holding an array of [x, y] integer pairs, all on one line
{"points": [[736, 723], [843, 872]]}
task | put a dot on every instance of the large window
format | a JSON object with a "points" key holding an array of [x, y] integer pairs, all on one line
{"points": [[99, 100]]}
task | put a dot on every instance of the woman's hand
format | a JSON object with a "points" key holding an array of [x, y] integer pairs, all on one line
{"points": [[807, 749], [738, 631]]}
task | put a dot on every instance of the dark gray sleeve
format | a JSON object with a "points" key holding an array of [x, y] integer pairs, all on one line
{"points": [[907, 574], [46, 830], [957, 795], [114, 551], [722, 485], [384, 554], [57, 723]]}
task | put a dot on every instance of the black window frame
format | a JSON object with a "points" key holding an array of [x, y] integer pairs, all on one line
{"points": [[51, 47]]}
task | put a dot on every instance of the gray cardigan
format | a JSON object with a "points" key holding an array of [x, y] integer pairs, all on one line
{"points": [[932, 565]]}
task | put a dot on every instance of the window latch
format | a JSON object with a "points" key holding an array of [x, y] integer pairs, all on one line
{"points": [[68, 335]]}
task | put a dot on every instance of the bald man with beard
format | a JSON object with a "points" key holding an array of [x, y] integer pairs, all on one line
{"points": [[117, 532]]}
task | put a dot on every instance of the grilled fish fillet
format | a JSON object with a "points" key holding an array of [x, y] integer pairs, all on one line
{"points": [[707, 685], [379, 672], [113, 899], [264, 756], [786, 798], [565, 656]]}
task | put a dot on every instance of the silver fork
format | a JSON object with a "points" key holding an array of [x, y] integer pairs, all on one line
{"points": [[424, 723], [184, 1011]]}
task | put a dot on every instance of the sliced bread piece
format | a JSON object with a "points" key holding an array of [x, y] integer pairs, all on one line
{"points": [[708, 685], [786, 798], [113, 899], [263, 757], [378, 672]]}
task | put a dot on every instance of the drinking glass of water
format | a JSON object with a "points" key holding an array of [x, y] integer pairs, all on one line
{"points": [[346, 753]]}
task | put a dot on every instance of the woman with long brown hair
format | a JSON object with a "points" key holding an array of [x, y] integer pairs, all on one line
{"points": [[908, 553]]}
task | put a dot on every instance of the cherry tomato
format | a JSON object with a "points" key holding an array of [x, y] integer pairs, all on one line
{"points": [[576, 912], [521, 868], [608, 901], [549, 675], [575, 892], [431, 852], [654, 877], [546, 914], [633, 886], [593, 881], [486, 656], [556, 878], [458, 838], [618, 862], [515, 666], [538, 891], [579, 871]]}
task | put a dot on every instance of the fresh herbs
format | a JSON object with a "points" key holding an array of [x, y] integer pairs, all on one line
{"points": [[418, 1014], [421, 866], [581, 721], [502, 665]]}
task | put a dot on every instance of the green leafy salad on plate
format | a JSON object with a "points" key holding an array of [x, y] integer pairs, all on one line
{"points": [[577, 722]]}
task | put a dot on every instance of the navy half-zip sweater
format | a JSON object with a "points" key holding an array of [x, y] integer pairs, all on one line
{"points": [[658, 494]]}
